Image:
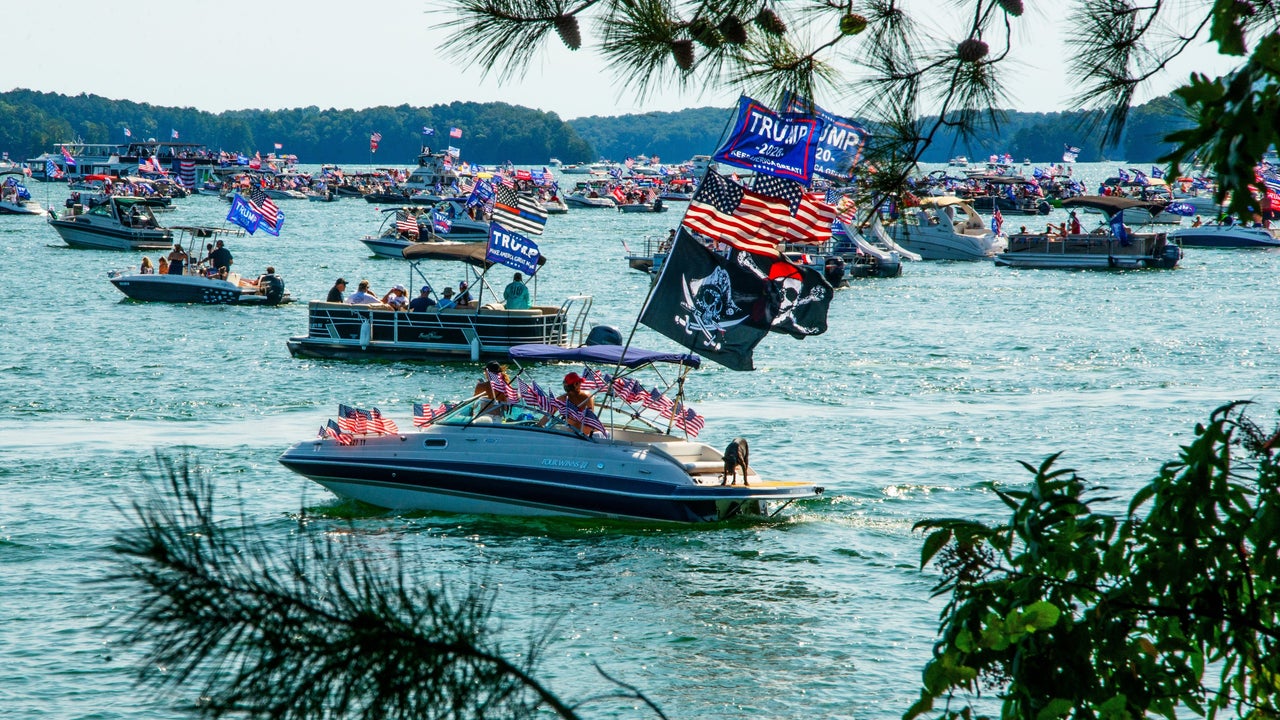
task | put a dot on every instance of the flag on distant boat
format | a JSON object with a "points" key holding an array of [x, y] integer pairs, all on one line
{"points": [[406, 223], [128, 133], [518, 211], [997, 221], [1180, 208], [374, 139], [428, 131], [1124, 176], [335, 431], [279, 146], [51, 170], [187, 171], [66, 155], [1070, 153], [173, 134], [441, 222], [1118, 229], [455, 132], [264, 205], [1157, 172], [381, 424]]}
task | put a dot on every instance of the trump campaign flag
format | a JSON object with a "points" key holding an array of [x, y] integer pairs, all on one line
{"points": [[839, 144], [780, 144], [512, 249], [243, 214]]}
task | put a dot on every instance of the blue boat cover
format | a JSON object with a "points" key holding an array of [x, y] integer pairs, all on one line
{"points": [[601, 354]]}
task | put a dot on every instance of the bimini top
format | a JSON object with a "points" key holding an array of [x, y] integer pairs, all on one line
{"points": [[472, 253], [602, 354], [1111, 204]]}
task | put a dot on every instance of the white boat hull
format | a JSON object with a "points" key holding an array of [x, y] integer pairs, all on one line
{"points": [[1226, 236]]}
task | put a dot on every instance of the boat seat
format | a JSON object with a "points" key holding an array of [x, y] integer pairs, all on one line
{"points": [[704, 466]]}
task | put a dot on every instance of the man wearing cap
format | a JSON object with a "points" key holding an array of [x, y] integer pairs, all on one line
{"points": [[220, 257], [446, 299], [573, 393], [423, 302], [397, 297], [464, 295], [516, 294], [335, 292]]}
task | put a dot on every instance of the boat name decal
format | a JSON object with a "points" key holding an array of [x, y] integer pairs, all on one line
{"points": [[554, 462]]}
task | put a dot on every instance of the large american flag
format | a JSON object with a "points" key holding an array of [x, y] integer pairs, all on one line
{"points": [[747, 220], [812, 213], [519, 212], [407, 223], [381, 424], [353, 420], [264, 205]]}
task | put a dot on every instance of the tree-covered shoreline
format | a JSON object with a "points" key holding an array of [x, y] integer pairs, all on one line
{"points": [[32, 122]]}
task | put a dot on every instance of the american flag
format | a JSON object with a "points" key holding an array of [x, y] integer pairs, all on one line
{"points": [[173, 134], [629, 390], [264, 205], [812, 213], [51, 170], [571, 412], [589, 420], [381, 424], [529, 394], [455, 132], [335, 431], [407, 223], [501, 386], [689, 421], [353, 420], [375, 137], [518, 212], [593, 380], [655, 400], [727, 212], [424, 415], [997, 221]]}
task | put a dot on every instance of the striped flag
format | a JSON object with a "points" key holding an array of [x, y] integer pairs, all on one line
{"points": [[655, 400], [688, 420], [381, 424], [811, 213], [407, 223], [424, 415], [66, 155], [590, 420], [518, 212], [264, 205], [335, 431], [727, 212], [593, 380], [501, 386], [352, 420], [455, 132], [51, 170], [173, 134]]}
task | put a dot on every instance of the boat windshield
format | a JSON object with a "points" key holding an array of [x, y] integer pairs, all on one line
{"points": [[480, 410]]}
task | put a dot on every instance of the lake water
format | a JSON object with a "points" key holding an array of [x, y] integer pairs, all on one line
{"points": [[925, 387]]}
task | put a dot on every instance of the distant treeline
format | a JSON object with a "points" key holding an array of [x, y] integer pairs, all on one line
{"points": [[1040, 137], [32, 122]]}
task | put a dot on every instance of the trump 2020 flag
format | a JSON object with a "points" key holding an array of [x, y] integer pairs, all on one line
{"points": [[1118, 229], [244, 215], [780, 144], [840, 143], [512, 249]]}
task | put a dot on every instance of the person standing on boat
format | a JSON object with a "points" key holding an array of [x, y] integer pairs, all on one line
{"points": [[516, 294], [177, 258], [220, 257], [335, 292], [1075, 223]]}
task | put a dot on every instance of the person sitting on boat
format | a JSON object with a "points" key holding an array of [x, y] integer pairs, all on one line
{"points": [[147, 268], [464, 295], [485, 388], [423, 302], [398, 298], [573, 393], [335, 292], [163, 266], [516, 294], [1198, 222], [177, 258], [223, 273], [362, 296], [446, 299]]}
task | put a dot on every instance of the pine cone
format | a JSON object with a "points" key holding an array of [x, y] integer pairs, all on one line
{"points": [[769, 22], [853, 24], [705, 33], [683, 52], [1013, 7], [567, 27], [972, 50], [733, 30]]}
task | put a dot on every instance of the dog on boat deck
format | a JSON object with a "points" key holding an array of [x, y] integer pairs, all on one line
{"points": [[735, 456]]}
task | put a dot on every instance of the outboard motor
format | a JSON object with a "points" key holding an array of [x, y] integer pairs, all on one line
{"points": [[604, 335]]}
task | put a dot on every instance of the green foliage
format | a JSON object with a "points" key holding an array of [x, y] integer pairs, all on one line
{"points": [[299, 628], [1065, 610], [31, 122]]}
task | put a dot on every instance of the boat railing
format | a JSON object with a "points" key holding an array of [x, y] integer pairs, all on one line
{"points": [[578, 328], [1084, 243]]}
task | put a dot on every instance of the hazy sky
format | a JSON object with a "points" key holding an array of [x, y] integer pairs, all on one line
{"points": [[234, 54]]}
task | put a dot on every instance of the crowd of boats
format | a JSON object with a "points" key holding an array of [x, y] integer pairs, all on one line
{"points": [[635, 454]]}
